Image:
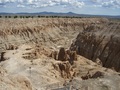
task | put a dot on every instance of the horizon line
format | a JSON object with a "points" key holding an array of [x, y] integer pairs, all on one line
{"points": [[60, 13]]}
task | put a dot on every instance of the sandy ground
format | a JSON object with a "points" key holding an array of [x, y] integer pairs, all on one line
{"points": [[39, 73]]}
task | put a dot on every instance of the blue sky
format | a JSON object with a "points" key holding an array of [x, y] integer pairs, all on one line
{"points": [[98, 7]]}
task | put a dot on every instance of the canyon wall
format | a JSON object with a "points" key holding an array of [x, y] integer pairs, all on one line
{"points": [[45, 54], [51, 32], [47, 31], [97, 38], [100, 42]]}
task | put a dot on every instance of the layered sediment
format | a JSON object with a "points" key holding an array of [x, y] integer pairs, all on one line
{"points": [[101, 43], [47, 54]]}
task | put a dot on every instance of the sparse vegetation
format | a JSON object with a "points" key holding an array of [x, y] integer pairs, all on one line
{"points": [[16, 16], [39, 16], [6, 16]]}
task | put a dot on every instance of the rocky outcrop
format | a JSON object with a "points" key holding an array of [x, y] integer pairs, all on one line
{"points": [[65, 63], [44, 72], [65, 68], [97, 74], [12, 47], [2, 56], [40, 61], [51, 32], [100, 42], [54, 55], [15, 83], [64, 55], [36, 52], [72, 56]]}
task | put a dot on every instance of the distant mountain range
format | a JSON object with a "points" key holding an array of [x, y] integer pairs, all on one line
{"points": [[58, 14]]}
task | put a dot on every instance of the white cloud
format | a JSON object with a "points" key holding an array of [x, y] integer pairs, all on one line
{"points": [[112, 3], [21, 6], [78, 4], [107, 3], [7, 1], [63, 3], [44, 3]]}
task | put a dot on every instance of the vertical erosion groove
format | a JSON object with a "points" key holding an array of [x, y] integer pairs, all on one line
{"points": [[103, 43]]}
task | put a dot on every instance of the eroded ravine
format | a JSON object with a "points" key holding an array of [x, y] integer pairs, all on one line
{"points": [[103, 44], [47, 31], [96, 37], [43, 53]]}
